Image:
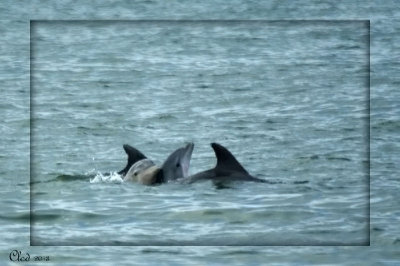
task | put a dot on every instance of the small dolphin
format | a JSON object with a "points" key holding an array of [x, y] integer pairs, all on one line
{"points": [[146, 172], [227, 169]]}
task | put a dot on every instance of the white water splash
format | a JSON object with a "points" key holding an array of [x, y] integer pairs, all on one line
{"points": [[113, 177]]}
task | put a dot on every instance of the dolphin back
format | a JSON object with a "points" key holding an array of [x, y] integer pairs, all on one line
{"points": [[226, 161], [227, 169]]}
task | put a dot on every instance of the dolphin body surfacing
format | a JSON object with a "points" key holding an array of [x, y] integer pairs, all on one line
{"points": [[144, 171], [227, 169]]}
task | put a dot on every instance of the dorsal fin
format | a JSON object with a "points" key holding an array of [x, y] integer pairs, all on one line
{"points": [[134, 155], [225, 160]]}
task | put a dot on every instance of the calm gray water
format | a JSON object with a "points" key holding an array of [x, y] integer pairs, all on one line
{"points": [[288, 99]]}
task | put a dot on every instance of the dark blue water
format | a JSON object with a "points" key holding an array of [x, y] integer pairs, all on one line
{"points": [[288, 99]]}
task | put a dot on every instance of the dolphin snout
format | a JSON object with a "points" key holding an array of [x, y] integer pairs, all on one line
{"points": [[185, 161]]}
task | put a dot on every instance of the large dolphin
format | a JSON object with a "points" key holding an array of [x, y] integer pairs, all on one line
{"points": [[142, 170], [227, 169]]}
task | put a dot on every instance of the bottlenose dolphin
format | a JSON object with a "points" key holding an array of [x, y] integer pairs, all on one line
{"points": [[134, 155], [144, 171], [227, 169]]}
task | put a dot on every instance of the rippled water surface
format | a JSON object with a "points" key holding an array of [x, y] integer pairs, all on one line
{"points": [[289, 99]]}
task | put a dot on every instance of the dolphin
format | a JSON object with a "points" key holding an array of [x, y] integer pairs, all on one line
{"points": [[134, 156], [143, 170], [176, 166], [227, 169]]}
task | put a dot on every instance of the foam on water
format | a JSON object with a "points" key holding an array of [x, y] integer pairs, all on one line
{"points": [[112, 177]]}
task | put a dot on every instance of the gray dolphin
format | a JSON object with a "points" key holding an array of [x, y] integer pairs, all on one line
{"points": [[144, 171], [134, 156], [227, 169]]}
